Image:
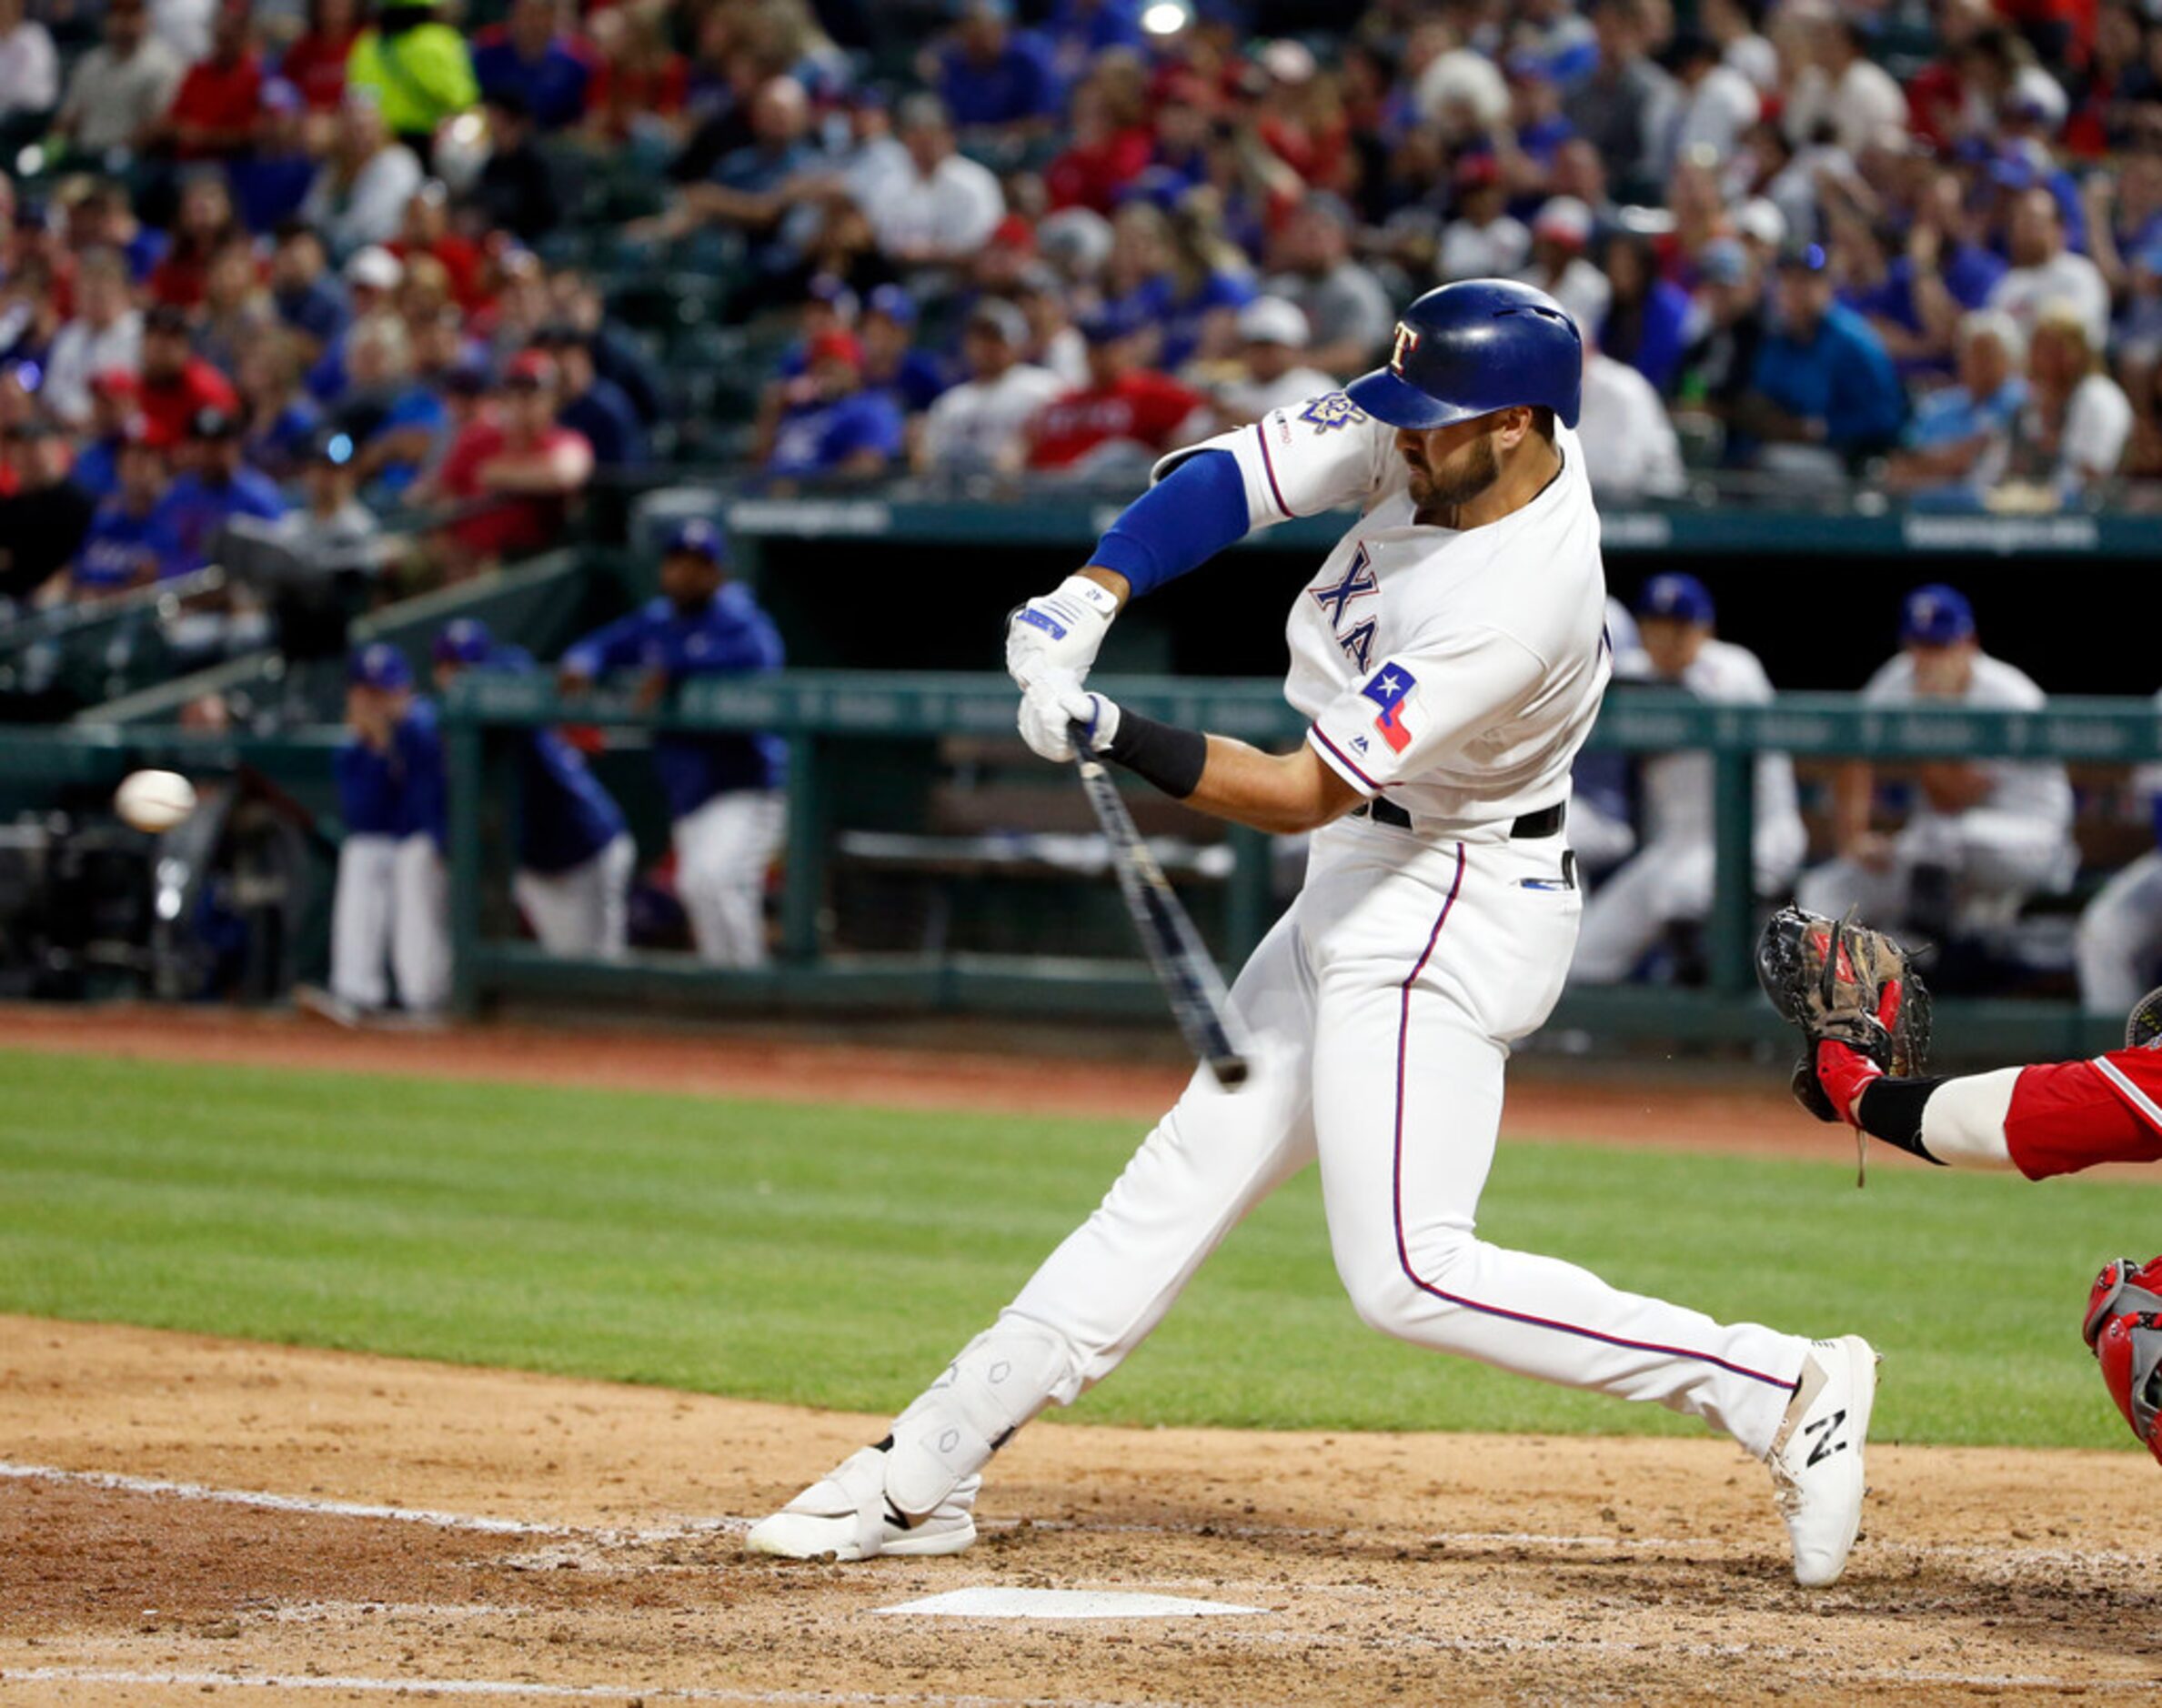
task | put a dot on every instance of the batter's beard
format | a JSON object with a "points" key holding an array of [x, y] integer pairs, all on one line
{"points": [[1478, 471]]}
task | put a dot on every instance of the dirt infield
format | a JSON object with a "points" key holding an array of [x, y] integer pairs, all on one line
{"points": [[1383, 1568], [182, 1516]]}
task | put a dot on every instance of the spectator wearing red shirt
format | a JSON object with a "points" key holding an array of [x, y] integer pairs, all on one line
{"points": [[205, 224], [315, 62], [1112, 147], [427, 232], [518, 456], [1124, 405], [177, 383], [214, 113], [640, 82]]}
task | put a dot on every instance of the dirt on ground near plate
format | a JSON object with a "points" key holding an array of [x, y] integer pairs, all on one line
{"points": [[185, 1516]]}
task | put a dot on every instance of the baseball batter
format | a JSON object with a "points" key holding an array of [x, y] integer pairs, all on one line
{"points": [[1449, 655]]}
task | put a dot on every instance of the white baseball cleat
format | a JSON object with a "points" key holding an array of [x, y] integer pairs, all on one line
{"points": [[845, 1515], [1816, 1457]]}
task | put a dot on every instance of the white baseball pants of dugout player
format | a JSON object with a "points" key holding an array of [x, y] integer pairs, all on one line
{"points": [[584, 911], [390, 917], [723, 851]]}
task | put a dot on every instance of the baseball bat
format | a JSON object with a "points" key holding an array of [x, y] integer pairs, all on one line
{"points": [[1199, 1003]]}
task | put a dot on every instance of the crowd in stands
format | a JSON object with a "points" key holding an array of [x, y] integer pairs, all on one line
{"points": [[247, 243]]}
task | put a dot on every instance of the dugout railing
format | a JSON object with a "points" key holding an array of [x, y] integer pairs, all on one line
{"points": [[819, 712]]}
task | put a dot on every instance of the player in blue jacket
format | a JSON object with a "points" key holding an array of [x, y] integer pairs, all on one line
{"points": [[575, 854], [390, 917], [724, 791]]}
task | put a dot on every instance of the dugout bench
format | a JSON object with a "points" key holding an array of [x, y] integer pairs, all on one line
{"points": [[832, 719]]}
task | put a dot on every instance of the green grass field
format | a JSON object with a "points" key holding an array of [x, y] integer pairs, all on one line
{"points": [[836, 1256]]}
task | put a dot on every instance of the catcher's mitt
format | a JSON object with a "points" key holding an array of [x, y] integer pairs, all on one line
{"points": [[2143, 1025], [1836, 981]]}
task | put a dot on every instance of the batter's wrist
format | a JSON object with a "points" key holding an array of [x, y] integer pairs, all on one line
{"points": [[1163, 754]]}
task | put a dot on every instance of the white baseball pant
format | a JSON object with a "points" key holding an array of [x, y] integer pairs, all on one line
{"points": [[582, 911], [2120, 937], [390, 917], [1997, 860], [722, 852], [1383, 1004]]}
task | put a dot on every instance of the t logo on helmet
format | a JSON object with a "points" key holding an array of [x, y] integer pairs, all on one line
{"points": [[1407, 340]]}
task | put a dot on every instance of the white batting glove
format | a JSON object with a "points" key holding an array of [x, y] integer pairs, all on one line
{"points": [[1052, 705], [1059, 631]]}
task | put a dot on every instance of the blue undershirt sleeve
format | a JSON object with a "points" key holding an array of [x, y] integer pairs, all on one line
{"points": [[1179, 524]]}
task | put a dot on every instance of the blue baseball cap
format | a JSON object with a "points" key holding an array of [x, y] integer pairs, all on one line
{"points": [[465, 641], [698, 534], [894, 303], [1110, 323], [378, 665], [1680, 598], [1936, 616]]}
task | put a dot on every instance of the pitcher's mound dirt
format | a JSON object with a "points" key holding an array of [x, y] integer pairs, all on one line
{"points": [[1415, 1569]]}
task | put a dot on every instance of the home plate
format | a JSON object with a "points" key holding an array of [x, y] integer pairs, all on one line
{"points": [[989, 1602]]}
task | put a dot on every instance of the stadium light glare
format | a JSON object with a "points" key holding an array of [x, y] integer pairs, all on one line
{"points": [[1166, 18]]}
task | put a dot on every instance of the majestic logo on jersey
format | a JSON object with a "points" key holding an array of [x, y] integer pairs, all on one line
{"points": [[1359, 581], [1391, 689], [1358, 644], [1332, 410], [1407, 340]]}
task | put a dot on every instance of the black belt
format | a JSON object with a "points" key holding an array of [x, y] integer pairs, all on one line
{"points": [[1530, 827]]}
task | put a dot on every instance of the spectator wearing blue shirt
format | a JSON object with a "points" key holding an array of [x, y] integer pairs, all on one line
{"points": [[724, 791], [995, 78], [589, 404], [1646, 315], [831, 425], [1078, 30], [307, 294], [528, 56], [1958, 436], [751, 189], [215, 488], [129, 543], [114, 394], [892, 363], [271, 179], [390, 914], [575, 856], [1823, 390], [398, 425]]}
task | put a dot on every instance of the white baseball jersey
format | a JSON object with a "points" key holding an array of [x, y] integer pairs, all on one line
{"points": [[1457, 672], [1677, 787], [2036, 789]]}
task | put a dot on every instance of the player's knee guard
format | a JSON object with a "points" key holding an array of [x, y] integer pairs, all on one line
{"points": [[2124, 1326], [1001, 1378]]}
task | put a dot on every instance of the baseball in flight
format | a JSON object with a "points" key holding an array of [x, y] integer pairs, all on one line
{"points": [[154, 801]]}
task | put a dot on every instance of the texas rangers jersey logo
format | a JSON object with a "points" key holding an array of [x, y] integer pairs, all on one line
{"points": [[1407, 340], [1330, 411], [1392, 689], [1359, 581]]}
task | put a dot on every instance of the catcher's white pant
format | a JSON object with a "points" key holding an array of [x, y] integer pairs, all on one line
{"points": [[1668, 883], [1997, 860], [1383, 1004], [582, 911], [391, 916], [2120, 937], [722, 853]]}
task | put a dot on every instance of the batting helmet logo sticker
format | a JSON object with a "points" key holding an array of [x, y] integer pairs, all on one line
{"points": [[1407, 340]]}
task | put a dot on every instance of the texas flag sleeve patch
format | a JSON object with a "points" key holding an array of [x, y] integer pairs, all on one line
{"points": [[1396, 690]]}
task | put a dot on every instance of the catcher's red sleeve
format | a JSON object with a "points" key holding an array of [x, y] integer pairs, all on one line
{"points": [[2070, 1115]]}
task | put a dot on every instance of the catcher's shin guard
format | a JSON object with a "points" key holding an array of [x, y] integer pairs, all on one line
{"points": [[2124, 1327]]}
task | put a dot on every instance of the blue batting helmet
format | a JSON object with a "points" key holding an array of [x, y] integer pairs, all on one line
{"points": [[1470, 349], [700, 535]]}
